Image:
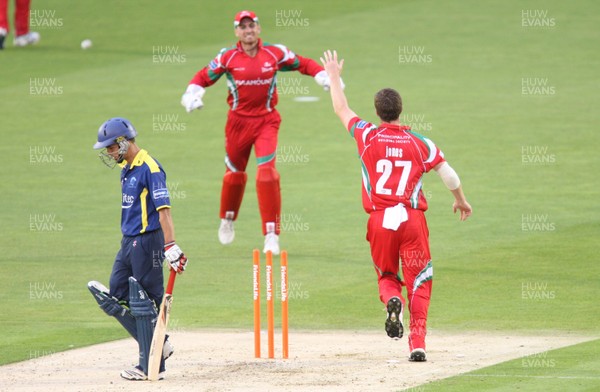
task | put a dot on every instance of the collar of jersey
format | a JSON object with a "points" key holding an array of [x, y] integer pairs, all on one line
{"points": [[139, 159], [401, 127]]}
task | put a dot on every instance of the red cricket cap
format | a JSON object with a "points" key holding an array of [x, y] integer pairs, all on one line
{"points": [[244, 14]]}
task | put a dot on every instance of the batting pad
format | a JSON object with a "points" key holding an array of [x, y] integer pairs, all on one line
{"points": [[112, 307], [142, 308]]}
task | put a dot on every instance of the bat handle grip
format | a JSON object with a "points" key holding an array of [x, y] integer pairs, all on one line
{"points": [[171, 282]]}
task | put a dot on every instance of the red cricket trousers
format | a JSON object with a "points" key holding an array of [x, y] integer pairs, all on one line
{"points": [[241, 134], [406, 247], [21, 16]]}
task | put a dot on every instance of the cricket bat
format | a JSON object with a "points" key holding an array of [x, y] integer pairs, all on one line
{"points": [[160, 330]]}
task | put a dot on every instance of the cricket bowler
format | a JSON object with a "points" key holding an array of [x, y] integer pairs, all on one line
{"points": [[394, 160]]}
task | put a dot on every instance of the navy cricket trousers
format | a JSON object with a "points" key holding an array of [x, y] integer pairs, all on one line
{"points": [[141, 257]]}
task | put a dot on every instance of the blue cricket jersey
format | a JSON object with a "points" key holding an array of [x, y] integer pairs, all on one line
{"points": [[144, 187]]}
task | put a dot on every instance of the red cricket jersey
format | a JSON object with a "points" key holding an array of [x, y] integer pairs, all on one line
{"points": [[393, 160], [252, 81]]}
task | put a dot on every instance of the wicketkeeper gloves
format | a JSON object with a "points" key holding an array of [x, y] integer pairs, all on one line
{"points": [[322, 79], [192, 98]]}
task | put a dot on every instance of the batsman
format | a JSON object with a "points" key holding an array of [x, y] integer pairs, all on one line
{"points": [[136, 281]]}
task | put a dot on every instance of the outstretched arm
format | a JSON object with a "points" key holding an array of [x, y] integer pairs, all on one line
{"points": [[304, 65], [452, 182], [334, 70], [207, 76]]}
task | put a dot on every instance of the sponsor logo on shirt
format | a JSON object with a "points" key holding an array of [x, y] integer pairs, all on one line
{"points": [[361, 124], [213, 65], [254, 82], [127, 201], [160, 193], [267, 67], [396, 137]]}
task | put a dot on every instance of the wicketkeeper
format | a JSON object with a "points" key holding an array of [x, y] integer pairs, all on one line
{"points": [[136, 280], [251, 68]]}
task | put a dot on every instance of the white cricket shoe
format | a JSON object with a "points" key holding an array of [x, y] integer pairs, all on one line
{"points": [[31, 38], [271, 244], [226, 232], [136, 373]]}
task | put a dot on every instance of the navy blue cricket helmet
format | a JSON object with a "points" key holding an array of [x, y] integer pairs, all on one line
{"points": [[113, 131]]}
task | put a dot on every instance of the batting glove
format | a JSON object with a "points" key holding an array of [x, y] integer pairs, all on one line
{"points": [[192, 98], [322, 79], [175, 257], [112, 306]]}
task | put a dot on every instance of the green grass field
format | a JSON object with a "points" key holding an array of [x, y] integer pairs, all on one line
{"points": [[510, 102], [568, 369]]}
